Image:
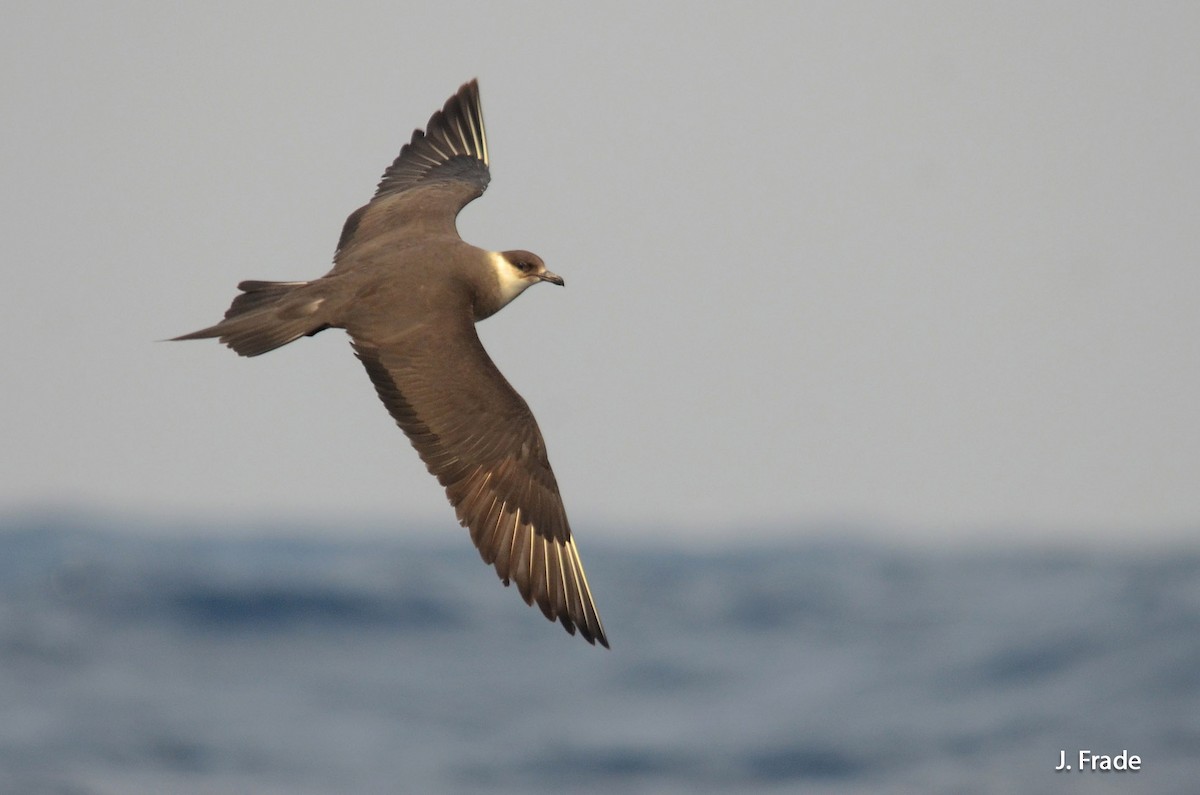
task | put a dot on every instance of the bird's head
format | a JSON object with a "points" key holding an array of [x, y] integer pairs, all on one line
{"points": [[518, 270], [529, 266]]}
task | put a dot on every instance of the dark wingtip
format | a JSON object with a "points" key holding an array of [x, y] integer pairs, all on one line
{"points": [[597, 639], [597, 636]]}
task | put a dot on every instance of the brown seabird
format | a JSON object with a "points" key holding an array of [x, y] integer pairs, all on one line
{"points": [[408, 290]]}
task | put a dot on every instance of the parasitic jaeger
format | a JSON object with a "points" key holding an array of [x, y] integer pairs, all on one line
{"points": [[408, 290]]}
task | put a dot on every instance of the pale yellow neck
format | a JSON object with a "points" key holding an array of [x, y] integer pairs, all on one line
{"points": [[511, 281]]}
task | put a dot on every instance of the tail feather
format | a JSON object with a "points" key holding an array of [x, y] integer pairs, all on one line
{"points": [[256, 295], [266, 316]]}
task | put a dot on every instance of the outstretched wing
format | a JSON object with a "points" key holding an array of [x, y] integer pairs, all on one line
{"points": [[478, 436], [436, 174]]}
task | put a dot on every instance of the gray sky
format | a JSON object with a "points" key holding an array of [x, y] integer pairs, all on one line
{"points": [[932, 267]]}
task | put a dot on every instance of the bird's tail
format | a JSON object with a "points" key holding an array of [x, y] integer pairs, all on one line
{"points": [[267, 315]]}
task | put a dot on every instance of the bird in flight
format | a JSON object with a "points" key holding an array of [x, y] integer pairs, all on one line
{"points": [[408, 290]]}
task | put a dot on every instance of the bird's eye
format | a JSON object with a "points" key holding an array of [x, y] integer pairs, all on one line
{"points": [[524, 267]]}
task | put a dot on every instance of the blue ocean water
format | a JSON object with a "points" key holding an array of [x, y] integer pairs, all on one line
{"points": [[134, 665]]}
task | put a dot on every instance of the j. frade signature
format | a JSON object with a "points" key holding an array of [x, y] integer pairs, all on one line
{"points": [[1089, 762]]}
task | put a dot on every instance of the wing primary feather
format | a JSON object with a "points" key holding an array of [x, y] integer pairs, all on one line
{"points": [[462, 138], [508, 542], [448, 141], [541, 576], [433, 146], [555, 583], [574, 591], [537, 572], [521, 556], [482, 131], [501, 542], [590, 616], [478, 149]]}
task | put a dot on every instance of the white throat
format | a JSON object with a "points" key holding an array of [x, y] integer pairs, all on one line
{"points": [[511, 281]]}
